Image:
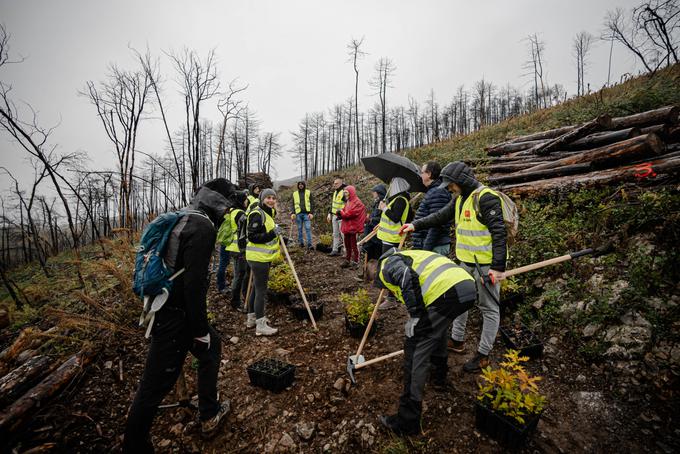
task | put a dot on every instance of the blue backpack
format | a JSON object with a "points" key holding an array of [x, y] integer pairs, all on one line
{"points": [[151, 273], [153, 278]]}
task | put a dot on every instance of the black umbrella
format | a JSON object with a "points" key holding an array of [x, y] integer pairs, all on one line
{"points": [[389, 165]]}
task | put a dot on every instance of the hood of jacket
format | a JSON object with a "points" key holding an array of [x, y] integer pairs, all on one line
{"points": [[397, 186], [380, 189], [458, 172], [352, 192], [213, 203]]}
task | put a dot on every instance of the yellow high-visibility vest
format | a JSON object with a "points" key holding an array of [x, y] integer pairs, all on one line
{"points": [[296, 201], [388, 231], [252, 203], [233, 246], [472, 237], [436, 275], [338, 203], [263, 252]]}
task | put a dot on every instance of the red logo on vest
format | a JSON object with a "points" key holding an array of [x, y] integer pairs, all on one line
{"points": [[467, 213]]}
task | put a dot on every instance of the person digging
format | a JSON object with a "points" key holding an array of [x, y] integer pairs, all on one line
{"points": [[480, 237], [435, 291]]}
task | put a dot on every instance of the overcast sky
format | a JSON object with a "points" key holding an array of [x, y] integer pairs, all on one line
{"points": [[292, 55]]}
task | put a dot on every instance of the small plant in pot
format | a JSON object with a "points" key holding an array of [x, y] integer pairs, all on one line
{"points": [[511, 296], [325, 243], [509, 404], [281, 284], [358, 310]]}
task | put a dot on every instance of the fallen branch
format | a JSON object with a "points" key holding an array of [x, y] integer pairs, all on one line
{"points": [[24, 376]]}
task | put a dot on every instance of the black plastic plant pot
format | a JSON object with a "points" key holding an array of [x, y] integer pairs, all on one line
{"points": [[323, 248], [271, 374], [519, 337], [357, 330], [278, 297], [300, 311], [503, 429]]}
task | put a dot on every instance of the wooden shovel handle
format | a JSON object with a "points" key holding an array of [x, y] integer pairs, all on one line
{"points": [[375, 308], [297, 281], [379, 359], [535, 266]]}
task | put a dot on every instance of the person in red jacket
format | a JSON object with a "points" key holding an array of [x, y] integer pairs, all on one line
{"points": [[353, 217]]}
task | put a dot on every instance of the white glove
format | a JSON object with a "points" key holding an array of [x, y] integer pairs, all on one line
{"points": [[410, 326]]}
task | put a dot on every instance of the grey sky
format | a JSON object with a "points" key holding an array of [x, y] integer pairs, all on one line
{"points": [[292, 54]]}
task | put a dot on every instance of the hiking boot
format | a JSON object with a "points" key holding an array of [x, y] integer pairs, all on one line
{"points": [[354, 265], [263, 329], [393, 423], [477, 363], [334, 253], [456, 346], [250, 321], [346, 264], [389, 303], [210, 426], [235, 304]]}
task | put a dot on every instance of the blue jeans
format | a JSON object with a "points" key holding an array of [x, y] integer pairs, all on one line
{"points": [[443, 249], [222, 269], [303, 219]]}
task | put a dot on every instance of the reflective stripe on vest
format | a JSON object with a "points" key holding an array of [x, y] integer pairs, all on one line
{"points": [[436, 275], [296, 201], [473, 238], [233, 246], [263, 252], [388, 231], [338, 203]]}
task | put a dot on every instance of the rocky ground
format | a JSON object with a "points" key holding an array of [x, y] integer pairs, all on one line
{"points": [[626, 403]]}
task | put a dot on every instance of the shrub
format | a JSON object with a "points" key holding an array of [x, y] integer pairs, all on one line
{"points": [[510, 390], [281, 279], [326, 239], [358, 306]]}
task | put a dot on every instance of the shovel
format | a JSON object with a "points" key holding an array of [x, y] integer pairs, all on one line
{"points": [[358, 361], [297, 281]]}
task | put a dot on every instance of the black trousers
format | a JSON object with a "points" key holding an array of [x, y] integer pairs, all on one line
{"points": [[239, 284], [170, 343], [427, 347]]}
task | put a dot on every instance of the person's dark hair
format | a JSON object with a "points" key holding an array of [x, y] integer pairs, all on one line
{"points": [[434, 168]]}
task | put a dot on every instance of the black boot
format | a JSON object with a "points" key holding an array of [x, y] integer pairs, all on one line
{"points": [[407, 419]]}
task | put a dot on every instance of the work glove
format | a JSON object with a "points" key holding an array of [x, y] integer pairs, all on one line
{"points": [[328, 218], [278, 230], [292, 216], [202, 344], [338, 214], [410, 326]]}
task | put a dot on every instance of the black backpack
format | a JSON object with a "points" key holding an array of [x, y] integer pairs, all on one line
{"points": [[242, 226]]}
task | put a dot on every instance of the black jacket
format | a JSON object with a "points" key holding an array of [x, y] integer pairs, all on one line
{"points": [[257, 232], [490, 214], [190, 247], [395, 212], [435, 199]]}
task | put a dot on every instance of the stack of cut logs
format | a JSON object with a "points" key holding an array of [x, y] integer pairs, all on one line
{"points": [[635, 148], [29, 378]]}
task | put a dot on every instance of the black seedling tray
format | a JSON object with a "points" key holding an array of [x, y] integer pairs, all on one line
{"points": [[519, 337], [357, 330], [503, 429], [510, 303], [271, 374], [323, 248]]}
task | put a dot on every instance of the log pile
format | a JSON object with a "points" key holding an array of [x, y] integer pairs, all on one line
{"points": [[260, 178], [635, 148], [29, 378]]}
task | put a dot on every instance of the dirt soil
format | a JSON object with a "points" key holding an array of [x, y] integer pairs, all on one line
{"points": [[583, 413]]}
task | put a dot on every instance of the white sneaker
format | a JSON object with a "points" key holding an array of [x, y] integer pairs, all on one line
{"points": [[262, 329], [250, 321]]}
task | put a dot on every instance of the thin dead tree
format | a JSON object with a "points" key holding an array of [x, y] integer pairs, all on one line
{"points": [[230, 107], [120, 101], [384, 71], [581, 46], [355, 53]]}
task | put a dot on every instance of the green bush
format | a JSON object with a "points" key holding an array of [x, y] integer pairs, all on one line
{"points": [[281, 279], [358, 306]]}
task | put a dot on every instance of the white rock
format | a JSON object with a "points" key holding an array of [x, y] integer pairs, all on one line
{"points": [[305, 430], [286, 442], [234, 340], [590, 329]]}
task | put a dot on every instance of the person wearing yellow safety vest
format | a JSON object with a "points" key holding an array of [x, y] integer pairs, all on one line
{"points": [[237, 217], [253, 196], [337, 203], [435, 291], [396, 211], [480, 235], [302, 212], [262, 248]]}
